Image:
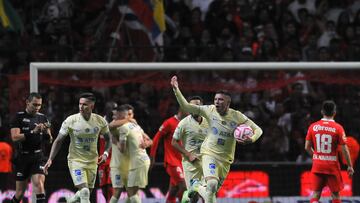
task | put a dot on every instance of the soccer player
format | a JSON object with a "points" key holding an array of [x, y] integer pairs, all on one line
{"points": [[218, 148], [84, 129], [322, 140], [119, 164], [29, 129], [172, 158], [187, 139], [133, 142]]}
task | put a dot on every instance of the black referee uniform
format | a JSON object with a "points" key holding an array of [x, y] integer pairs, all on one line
{"points": [[29, 158]]}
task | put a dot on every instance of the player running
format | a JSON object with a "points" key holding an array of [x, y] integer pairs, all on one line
{"points": [[218, 148], [84, 130], [187, 139]]}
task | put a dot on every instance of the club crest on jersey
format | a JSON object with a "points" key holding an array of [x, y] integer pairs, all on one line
{"points": [[87, 130], [215, 131], [223, 122], [233, 124]]}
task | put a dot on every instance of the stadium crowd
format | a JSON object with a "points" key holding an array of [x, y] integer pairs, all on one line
{"points": [[198, 31]]}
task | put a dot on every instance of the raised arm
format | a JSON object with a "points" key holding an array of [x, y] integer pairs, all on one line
{"points": [[184, 105]]}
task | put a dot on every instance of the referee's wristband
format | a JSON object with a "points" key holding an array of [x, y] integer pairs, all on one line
{"points": [[106, 154]]}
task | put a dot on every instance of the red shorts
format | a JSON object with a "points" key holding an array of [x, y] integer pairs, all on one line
{"points": [[334, 181], [176, 174], [104, 175]]}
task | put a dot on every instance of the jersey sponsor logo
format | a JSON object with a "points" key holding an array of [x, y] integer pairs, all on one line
{"points": [[195, 142], [26, 120], [225, 134], [85, 140], [325, 128], [221, 141]]}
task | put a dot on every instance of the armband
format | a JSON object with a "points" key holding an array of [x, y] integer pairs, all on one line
{"points": [[106, 154]]}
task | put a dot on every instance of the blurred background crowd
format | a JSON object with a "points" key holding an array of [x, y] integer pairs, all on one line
{"points": [[196, 31]]}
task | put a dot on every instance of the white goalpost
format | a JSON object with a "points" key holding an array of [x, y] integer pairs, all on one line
{"points": [[36, 67]]}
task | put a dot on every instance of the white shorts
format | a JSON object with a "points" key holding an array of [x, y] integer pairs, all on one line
{"points": [[82, 173], [118, 177], [192, 171], [139, 176]]}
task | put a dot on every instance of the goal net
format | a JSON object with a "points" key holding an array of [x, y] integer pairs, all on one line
{"points": [[283, 98]]}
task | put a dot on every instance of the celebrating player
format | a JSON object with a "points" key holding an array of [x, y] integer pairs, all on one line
{"points": [[120, 160], [322, 140], [172, 158], [133, 142], [28, 130], [84, 129], [187, 139], [218, 148]]}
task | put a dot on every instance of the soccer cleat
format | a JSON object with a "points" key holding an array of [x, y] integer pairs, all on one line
{"points": [[72, 199], [185, 198], [194, 187]]}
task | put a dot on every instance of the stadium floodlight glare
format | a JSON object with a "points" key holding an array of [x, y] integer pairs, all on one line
{"points": [[36, 67]]}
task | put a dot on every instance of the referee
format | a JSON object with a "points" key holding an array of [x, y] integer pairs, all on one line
{"points": [[29, 130]]}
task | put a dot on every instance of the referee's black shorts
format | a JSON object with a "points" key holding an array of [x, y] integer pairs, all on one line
{"points": [[27, 164]]}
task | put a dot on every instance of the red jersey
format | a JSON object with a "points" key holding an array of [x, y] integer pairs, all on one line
{"points": [[171, 155], [102, 149], [354, 149], [5, 157], [326, 135]]}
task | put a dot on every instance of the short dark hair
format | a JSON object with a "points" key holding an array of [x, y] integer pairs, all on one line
{"points": [[224, 92], [328, 108], [123, 107], [128, 106], [196, 97], [32, 95], [88, 95]]}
